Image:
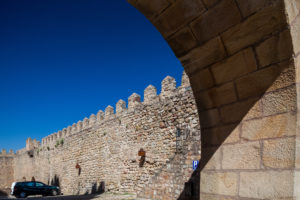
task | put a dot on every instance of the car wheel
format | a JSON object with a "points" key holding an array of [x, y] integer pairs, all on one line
{"points": [[54, 192], [22, 195]]}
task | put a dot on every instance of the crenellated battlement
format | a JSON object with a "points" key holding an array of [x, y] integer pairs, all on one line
{"points": [[5, 153], [168, 89]]}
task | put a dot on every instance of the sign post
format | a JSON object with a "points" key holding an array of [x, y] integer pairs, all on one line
{"points": [[195, 164]]}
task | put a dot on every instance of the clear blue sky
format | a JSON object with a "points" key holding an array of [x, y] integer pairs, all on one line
{"points": [[62, 60]]}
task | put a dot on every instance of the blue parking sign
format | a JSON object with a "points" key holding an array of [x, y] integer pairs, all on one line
{"points": [[195, 164]]}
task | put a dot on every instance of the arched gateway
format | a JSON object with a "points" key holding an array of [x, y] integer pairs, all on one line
{"points": [[242, 58]]}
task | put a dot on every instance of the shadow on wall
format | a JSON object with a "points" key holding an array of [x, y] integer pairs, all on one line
{"points": [[3, 193], [100, 189], [55, 181], [218, 121], [97, 189], [191, 190]]}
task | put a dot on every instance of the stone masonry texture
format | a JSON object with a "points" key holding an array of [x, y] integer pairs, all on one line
{"points": [[105, 150], [242, 58]]}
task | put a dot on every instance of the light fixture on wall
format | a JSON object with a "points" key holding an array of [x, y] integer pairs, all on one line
{"points": [[77, 166], [142, 153]]}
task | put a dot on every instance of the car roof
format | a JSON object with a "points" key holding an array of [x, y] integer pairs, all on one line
{"points": [[29, 182]]}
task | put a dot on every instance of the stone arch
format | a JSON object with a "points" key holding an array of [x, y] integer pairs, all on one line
{"points": [[242, 58]]}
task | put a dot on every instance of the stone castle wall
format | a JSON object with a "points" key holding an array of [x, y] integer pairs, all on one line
{"points": [[102, 151], [6, 171]]}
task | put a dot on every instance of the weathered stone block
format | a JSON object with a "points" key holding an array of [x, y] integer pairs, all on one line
{"points": [[151, 8], [221, 134], [255, 111], [292, 9], [182, 41], [216, 20], [237, 65], [286, 76], [216, 96], [180, 13], [297, 68], [257, 82], [222, 94], [215, 197], [295, 32], [275, 49], [255, 28], [201, 80], [207, 54], [210, 3], [215, 161], [279, 153], [283, 100], [296, 184], [297, 152], [241, 156], [249, 7], [237, 111], [266, 184], [219, 183], [269, 127], [209, 118]]}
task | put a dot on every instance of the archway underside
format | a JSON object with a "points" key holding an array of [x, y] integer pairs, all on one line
{"points": [[242, 58]]}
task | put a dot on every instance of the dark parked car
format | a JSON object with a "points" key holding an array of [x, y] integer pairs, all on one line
{"points": [[24, 189]]}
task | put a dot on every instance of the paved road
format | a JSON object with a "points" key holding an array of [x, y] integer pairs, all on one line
{"points": [[105, 196]]}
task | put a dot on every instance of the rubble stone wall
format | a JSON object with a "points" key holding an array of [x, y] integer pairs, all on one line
{"points": [[102, 151], [6, 171]]}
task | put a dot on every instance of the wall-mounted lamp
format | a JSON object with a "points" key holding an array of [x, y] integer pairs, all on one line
{"points": [[77, 166], [142, 153]]}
